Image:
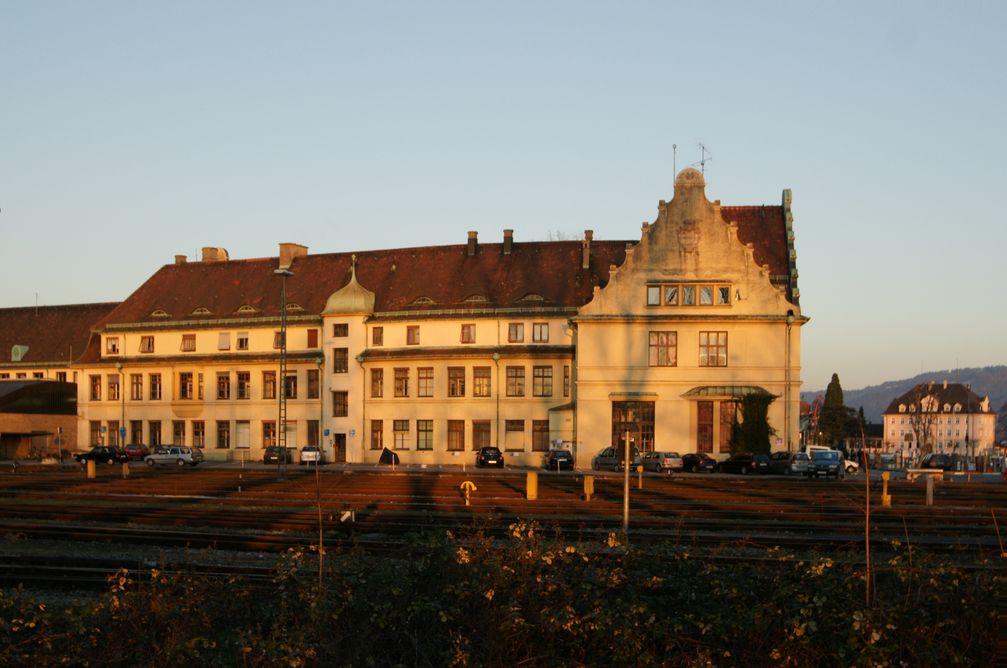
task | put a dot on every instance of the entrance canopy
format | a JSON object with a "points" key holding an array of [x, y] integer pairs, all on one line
{"points": [[721, 391]]}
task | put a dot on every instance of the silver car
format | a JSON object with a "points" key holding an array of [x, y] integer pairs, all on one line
{"points": [[662, 462], [174, 454], [611, 458], [789, 463]]}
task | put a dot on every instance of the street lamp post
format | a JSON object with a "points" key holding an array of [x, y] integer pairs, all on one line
{"points": [[122, 401], [281, 422]]}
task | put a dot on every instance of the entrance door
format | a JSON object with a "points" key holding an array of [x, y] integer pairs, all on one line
{"points": [[340, 446], [635, 418]]}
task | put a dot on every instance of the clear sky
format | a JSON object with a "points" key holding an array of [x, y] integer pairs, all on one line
{"points": [[132, 131]]}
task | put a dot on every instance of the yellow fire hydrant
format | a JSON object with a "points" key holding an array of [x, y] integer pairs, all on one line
{"points": [[467, 488]]}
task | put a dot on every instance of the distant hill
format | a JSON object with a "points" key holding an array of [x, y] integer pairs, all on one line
{"points": [[988, 381]]}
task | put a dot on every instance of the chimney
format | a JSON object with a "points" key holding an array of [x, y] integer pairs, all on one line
{"points": [[211, 254], [473, 243], [508, 242], [180, 259], [945, 384], [289, 252], [585, 249]]}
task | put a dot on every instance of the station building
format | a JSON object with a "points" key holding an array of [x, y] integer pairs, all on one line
{"points": [[437, 351]]}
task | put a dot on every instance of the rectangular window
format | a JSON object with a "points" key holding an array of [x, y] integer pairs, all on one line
{"points": [[706, 295], [154, 433], [713, 349], [480, 434], [113, 387], [481, 381], [312, 337], [113, 432], [95, 387], [188, 343], [112, 345], [224, 341], [688, 295], [178, 432], [377, 434], [95, 431], [566, 380], [723, 295], [515, 332], [136, 386], [154, 382], [242, 341], [424, 434], [377, 383], [224, 385], [340, 403], [340, 329], [653, 295], [313, 432], [242, 434], [515, 381], [199, 386], [468, 333], [313, 387], [704, 426], [541, 382], [456, 381], [198, 433], [185, 385], [277, 340], [268, 433], [340, 360], [456, 435], [412, 335], [244, 379], [401, 382], [540, 435], [540, 332], [663, 349], [425, 381], [136, 431], [400, 432], [60, 376], [268, 384], [223, 434], [146, 344], [290, 386], [378, 336], [514, 435], [671, 295]]}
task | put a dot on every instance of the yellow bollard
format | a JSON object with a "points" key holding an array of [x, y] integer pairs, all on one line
{"points": [[467, 488], [125, 470], [639, 476], [588, 487], [91, 469], [886, 498], [531, 486]]}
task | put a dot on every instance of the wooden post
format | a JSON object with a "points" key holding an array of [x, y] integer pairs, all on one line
{"points": [[930, 490]]}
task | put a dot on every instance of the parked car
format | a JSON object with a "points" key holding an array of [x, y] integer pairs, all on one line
{"points": [[312, 454], [744, 464], [694, 462], [271, 455], [789, 463], [937, 460], [174, 454], [662, 462], [828, 463], [136, 450], [611, 458], [101, 454], [490, 456], [557, 460]]}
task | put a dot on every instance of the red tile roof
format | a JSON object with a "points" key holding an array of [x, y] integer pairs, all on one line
{"points": [[416, 280], [55, 335]]}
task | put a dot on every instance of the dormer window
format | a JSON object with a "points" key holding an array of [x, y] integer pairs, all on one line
{"points": [[159, 313], [947, 408], [902, 408], [957, 408], [476, 299], [423, 301], [202, 310], [246, 309], [112, 345], [532, 297], [294, 307]]}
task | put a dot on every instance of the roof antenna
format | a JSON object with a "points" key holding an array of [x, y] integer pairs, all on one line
{"points": [[704, 157]]}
